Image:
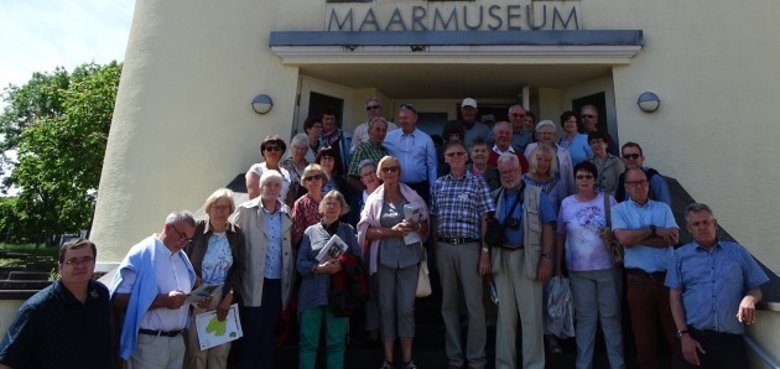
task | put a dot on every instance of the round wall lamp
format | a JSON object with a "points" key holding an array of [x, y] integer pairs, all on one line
{"points": [[648, 102], [262, 104]]}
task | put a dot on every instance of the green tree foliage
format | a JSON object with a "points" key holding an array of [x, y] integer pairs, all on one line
{"points": [[58, 123]]}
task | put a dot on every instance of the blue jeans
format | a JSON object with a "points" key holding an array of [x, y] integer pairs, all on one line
{"points": [[259, 326]]}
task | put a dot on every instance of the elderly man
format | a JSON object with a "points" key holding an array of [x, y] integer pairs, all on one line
{"points": [[502, 132], [521, 136], [473, 128], [714, 287], [374, 110], [521, 265], [647, 230], [64, 325], [415, 152], [590, 123], [336, 138], [461, 202], [634, 158], [371, 150], [150, 285]]}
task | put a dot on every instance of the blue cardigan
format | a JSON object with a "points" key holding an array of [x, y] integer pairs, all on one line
{"points": [[140, 260]]}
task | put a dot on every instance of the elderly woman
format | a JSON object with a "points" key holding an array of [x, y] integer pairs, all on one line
{"points": [[479, 164], [609, 167], [296, 162], [267, 277], [576, 142], [370, 182], [272, 148], [326, 158], [545, 133], [313, 130], [595, 280], [305, 211], [394, 256], [543, 173], [216, 256], [316, 284]]}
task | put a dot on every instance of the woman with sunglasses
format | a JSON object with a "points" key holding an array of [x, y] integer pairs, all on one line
{"points": [[305, 210], [595, 280], [392, 258], [216, 256], [272, 149]]}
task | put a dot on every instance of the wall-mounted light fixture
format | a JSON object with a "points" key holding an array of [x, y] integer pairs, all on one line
{"points": [[262, 104], [648, 102]]}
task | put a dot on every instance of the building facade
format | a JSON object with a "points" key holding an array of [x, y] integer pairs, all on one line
{"points": [[184, 126]]}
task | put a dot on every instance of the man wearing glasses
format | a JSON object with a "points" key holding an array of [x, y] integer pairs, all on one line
{"points": [[150, 286], [64, 325], [634, 158], [647, 230], [374, 110], [371, 150], [461, 201], [522, 135], [590, 122]]}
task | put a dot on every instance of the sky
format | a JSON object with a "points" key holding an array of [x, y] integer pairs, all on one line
{"points": [[39, 35]]}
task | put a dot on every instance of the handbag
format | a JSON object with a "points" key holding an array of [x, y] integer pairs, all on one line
{"points": [[423, 279], [614, 248]]}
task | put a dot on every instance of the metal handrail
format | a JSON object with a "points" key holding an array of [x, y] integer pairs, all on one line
{"points": [[762, 354]]}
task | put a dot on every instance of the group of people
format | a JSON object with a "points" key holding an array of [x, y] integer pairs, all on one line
{"points": [[555, 203]]}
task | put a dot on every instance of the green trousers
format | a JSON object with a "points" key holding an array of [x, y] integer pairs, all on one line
{"points": [[335, 337]]}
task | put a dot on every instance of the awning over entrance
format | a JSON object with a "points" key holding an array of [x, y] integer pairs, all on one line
{"points": [[468, 47]]}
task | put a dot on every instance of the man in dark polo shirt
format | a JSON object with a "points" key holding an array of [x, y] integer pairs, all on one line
{"points": [[64, 325]]}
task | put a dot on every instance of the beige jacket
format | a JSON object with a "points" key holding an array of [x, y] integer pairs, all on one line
{"points": [[249, 217], [532, 232]]}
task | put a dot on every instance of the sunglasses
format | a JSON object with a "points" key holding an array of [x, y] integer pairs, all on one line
{"points": [[373, 107], [390, 169], [631, 156], [637, 183], [588, 116], [273, 148], [181, 234], [584, 176], [456, 153], [311, 178]]}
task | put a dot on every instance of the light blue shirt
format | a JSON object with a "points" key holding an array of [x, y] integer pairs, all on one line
{"points": [[416, 154], [273, 255], [478, 130], [514, 237], [217, 260], [579, 149], [629, 215], [713, 282]]}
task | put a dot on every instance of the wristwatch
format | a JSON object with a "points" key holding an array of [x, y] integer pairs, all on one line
{"points": [[681, 332], [485, 250], [652, 229], [546, 255]]}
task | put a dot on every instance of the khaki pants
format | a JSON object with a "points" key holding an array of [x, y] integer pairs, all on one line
{"points": [[213, 358]]}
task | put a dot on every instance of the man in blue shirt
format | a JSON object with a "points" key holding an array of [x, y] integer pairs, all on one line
{"points": [[461, 201], [66, 324], [714, 287], [633, 157], [473, 128], [415, 152], [647, 230], [519, 269]]}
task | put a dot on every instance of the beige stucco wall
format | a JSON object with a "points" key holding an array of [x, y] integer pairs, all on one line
{"points": [[183, 124], [713, 65], [765, 333]]}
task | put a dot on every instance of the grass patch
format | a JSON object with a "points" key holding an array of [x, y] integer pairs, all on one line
{"points": [[29, 248]]}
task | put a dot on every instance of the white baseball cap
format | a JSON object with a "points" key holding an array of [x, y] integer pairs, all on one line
{"points": [[469, 102]]}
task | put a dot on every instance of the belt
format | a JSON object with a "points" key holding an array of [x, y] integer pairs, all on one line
{"points": [[642, 273], [511, 248], [151, 332], [458, 241], [709, 332]]}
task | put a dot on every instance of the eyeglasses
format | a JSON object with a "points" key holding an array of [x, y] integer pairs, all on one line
{"points": [[373, 107], [367, 174], [584, 177], [273, 148], [181, 234], [588, 116], [83, 261], [311, 178], [456, 153], [326, 158], [631, 156], [640, 183], [390, 169]]}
